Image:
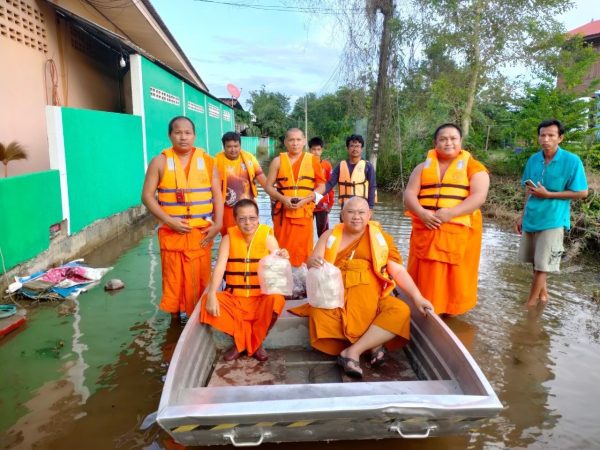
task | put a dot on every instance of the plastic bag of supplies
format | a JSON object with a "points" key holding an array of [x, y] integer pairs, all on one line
{"points": [[325, 287], [275, 275]]}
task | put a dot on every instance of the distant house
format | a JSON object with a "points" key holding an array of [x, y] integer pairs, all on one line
{"points": [[234, 103], [591, 34], [88, 89], [96, 56]]}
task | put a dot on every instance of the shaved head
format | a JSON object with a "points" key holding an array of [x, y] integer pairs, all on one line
{"points": [[355, 202], [356, 215], [293, 130]]}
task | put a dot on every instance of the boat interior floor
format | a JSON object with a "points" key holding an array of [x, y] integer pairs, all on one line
{"points": [[302, 366]]}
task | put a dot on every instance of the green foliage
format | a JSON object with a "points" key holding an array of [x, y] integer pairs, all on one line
{"points": [[589, 155], [544, 102], [270, 110], [331, 117], [484, 38]]}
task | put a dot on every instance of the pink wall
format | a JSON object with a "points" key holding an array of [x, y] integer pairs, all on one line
{"points": [[83, 80]]}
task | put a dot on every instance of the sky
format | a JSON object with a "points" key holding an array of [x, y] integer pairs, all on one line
{"points": [[286, 51]]}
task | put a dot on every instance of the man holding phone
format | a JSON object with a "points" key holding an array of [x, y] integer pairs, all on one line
{"points": [[552, 177]]}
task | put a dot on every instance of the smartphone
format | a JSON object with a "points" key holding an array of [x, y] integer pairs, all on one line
{"points": [[531, 184]]}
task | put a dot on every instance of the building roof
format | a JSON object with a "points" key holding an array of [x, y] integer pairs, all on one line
{"points": [[589, 30], [138, 24], [233, 102]]}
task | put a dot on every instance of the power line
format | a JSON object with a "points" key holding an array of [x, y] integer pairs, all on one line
{"points": [[281, 8]]}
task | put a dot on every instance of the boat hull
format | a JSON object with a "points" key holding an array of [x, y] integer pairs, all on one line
{"points": [[448, 394]]}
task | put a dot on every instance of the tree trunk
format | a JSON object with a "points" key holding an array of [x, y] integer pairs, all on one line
{"points": [[471, 92], [474, 73], [387, 10]]}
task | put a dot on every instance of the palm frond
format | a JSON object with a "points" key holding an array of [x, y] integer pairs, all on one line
{"points": [[12, 152]]}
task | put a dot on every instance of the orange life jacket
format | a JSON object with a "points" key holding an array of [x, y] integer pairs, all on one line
{"points": [[187, 197], [241, 271], [355, 185], [379, 253], [223, 162], [452, 190], [289, 186]]}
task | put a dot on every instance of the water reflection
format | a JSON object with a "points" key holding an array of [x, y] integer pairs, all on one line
{"points": [[527, 368], [542, 362]]}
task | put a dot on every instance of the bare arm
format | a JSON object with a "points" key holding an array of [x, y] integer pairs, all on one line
{"points": [[479, 186], [406, 283], [316, 259], [411, 200], [270, 185], [217, 198], [212, 302], [519, 224], [153, 175], [273, 246], [262, 180], [542, 192]]}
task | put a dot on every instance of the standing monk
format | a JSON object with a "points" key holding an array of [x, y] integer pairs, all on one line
{"points": [[553, 177], [354, 176], [371, 266], [315, 146], [237, 169], [241, 310], [443, 197], [293, 176], [189, 209]]}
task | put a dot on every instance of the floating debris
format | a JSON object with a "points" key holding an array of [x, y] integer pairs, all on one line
{"points": [[114, 285]]}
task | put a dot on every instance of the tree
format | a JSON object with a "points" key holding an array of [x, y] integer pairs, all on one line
{"points": [[11, 152], [386, 7], [545, 101], [331, 116], [485, 38], [270, 110]]}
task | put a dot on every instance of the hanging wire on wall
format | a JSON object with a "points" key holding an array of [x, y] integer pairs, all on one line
{"points": [[50, 70]]}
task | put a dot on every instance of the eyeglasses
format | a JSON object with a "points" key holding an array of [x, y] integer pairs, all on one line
{"points": [[247, 219]]}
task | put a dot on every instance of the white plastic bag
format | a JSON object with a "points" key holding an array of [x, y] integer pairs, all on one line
{"points": [[275, 275], [325, 287]]}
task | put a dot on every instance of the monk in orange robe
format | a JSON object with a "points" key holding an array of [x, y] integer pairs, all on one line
{"points": [[189, 209], [238, 170], [242, 311], [293, 176], [443, 197], [371, 266]]}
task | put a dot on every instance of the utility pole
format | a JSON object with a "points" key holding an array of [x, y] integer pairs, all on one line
{"points": [[387, 9]]}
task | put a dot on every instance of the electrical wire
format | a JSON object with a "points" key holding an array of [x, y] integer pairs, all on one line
{"points": [[281, 8], [50, 69]]}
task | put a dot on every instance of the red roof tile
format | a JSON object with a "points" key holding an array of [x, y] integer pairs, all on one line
{"points": [[589, 29]]}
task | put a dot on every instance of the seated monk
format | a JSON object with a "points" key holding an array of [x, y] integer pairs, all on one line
{"points": [[241, 310], [371, 267]]}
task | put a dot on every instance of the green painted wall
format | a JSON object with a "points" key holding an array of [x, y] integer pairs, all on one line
{"points": [[159, 112], [30, 205], [174, 100], [105, 163], [195, 109], [215, 132], [249, 143]]}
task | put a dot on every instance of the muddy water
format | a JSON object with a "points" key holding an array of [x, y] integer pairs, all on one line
{"points": [[83, 374]]}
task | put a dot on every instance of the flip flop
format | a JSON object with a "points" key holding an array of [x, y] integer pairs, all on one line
{"points": [[378, 357], [344, 363]]}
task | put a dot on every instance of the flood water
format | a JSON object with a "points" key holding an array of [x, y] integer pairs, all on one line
{"points": [[84, 373]]}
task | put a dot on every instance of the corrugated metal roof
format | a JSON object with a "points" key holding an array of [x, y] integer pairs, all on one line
{"points": [[588, 30], [138, 22]]}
